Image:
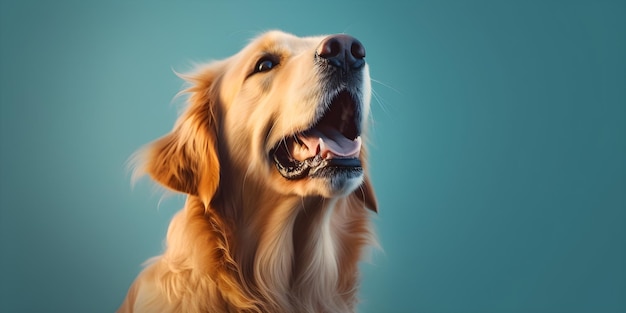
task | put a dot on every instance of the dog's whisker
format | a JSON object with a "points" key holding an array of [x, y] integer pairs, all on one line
{"points": [[269, 133], [381, 102], [284, 141], [385, 85], [379, 99]]}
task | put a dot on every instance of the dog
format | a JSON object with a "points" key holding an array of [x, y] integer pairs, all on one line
{"points": [[270, 151]]}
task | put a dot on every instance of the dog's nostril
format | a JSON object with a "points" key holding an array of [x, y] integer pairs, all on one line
{"points": [[330, 48], [357, 50], [342, 51]]}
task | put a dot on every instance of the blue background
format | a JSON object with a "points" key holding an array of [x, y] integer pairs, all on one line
{"points": [[499, 146]]}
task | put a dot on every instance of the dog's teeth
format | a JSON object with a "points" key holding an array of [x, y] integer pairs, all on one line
{"points": [[301, 151], [326, 154]]}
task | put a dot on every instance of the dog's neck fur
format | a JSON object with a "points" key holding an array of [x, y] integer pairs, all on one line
{"points": [[290, 253]]}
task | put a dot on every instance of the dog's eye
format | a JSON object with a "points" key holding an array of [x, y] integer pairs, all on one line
{"points": [[265, 64]]}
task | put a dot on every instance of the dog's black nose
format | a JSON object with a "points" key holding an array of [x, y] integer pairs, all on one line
{"points": [[342, 51]]}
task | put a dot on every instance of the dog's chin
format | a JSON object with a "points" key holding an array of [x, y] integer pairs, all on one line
{"points": [[337, 185]]}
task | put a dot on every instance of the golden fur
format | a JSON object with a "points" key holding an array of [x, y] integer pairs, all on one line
{"points": [[248, 239]]}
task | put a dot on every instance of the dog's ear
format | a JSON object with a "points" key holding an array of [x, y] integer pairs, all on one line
{"points": [[365, 193], [186, 159]]}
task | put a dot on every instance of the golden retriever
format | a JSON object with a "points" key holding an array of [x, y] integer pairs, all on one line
{"points": [[270, 153]]}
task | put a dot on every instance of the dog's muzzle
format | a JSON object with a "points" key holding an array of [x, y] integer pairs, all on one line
{"points": [[332, 144]]}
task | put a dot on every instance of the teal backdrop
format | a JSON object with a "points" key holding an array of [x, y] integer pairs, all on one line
{"points": [[498, 151]]}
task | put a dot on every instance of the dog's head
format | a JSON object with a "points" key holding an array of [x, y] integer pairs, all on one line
{"points": [[287, 113]]}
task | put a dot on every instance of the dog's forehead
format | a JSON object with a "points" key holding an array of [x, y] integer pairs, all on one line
{"points": [[278, 41]]}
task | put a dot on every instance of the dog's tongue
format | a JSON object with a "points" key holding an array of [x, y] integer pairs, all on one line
{"points": [[331, 143]]}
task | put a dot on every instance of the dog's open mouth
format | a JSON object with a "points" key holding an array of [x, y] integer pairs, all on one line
{"points": [[330, 146]]}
